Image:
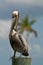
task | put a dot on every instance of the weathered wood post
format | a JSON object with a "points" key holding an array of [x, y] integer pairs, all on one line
{"points": [[21, 61]]}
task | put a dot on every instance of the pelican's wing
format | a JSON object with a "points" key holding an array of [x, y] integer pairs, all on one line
{"points": [[21, 39], [17, 44], [24, 42]]}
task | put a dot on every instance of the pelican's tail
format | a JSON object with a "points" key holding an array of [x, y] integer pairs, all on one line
{"points": [[25, 54]]}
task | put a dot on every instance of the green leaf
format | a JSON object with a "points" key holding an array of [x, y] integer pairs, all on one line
{"points": [[32, 22]]}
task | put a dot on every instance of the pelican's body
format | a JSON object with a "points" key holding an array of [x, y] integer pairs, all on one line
{"points": [[17, 41]]}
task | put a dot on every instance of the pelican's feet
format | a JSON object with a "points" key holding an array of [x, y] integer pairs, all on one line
{"points": [[13, 57]]}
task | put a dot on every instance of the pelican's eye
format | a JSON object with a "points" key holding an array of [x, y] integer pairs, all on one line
{"points": [[13, 16]]}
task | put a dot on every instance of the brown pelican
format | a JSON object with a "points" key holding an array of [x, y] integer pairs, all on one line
{"points": [[17, 41]]}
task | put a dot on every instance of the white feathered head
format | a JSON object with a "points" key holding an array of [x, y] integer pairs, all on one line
{"points": [[15, 14]]}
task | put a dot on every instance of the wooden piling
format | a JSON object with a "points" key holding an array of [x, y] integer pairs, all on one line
{"points": [[21, 61]]}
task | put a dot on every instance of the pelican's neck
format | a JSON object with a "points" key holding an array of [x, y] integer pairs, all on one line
{"points": [[14, 24]]}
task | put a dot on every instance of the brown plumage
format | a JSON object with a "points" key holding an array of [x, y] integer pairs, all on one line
{"points": [[17, 41]]}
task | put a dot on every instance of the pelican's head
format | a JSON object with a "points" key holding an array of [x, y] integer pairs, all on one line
{"points": [[15, 14]]}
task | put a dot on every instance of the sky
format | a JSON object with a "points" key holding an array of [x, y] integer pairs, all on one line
{"points": [[34, 8]]}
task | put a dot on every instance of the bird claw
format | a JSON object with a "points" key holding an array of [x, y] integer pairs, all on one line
{"points": [[12, 57]]}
